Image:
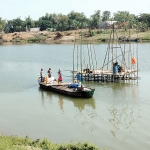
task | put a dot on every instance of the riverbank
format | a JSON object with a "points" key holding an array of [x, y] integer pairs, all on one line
{"points": [[70, 36], [14, 142]]}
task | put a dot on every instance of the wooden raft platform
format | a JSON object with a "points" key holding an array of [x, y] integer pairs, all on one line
{"points": [[108, 76]]}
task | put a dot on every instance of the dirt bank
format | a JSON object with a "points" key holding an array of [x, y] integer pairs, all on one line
{"points": [[68, 36], [43, 36]]}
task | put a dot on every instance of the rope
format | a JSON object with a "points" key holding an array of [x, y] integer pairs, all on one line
{"points": [[88, 53], [94, 53], [91, 56]]}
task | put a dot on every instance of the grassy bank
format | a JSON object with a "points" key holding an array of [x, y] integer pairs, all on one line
{"points": [[69, 36], [16, 143]]}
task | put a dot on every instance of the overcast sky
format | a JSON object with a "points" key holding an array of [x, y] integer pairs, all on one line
{"points": [[12, 9]]}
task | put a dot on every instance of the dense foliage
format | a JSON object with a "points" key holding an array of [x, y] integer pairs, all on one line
{"points": [[75, 20], [16, 143]]}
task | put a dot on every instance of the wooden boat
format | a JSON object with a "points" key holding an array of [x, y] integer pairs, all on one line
{"points": [[63, 88]]}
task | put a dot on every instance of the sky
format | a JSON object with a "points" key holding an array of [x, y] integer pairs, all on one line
{"points": [[12, 9]]}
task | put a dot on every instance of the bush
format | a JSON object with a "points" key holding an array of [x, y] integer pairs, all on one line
{"points": [[99, 32], [16, 143]]}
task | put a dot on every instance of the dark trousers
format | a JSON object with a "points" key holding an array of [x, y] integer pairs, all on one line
{"points": [[49, 75]]}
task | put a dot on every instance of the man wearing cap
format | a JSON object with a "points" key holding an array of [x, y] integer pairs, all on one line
{"points": [[41, 74]]}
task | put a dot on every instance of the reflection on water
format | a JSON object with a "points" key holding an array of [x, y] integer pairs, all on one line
{"points": [[80, 103], [85, 113], [86, 118], [85, 108], [61, 103], [124, 112], [42, 97]]}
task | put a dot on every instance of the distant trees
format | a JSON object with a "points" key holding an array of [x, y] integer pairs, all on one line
{"points": [[47, 21], [15, 25], [144, 18], [57, 21], [125, 16], [76, 20], [2, 24], [29, 23], [106, 15], [44, 22], [61, 22], [95, 19]]}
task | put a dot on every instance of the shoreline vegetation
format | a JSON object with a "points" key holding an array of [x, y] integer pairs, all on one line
{"points": [[17, 143], [96, 35]]}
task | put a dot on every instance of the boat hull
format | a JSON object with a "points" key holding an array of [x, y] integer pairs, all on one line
{"points": [[63, 89]]}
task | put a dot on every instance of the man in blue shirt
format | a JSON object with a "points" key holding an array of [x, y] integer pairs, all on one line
{"points": [[79, 77]]}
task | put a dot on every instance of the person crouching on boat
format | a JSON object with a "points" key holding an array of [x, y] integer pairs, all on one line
{"points": [[74, 85], [41, 74], [59, 76]]}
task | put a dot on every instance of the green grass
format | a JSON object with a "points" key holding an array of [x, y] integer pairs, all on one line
{"points": [[37, 38], [146, 38], [16, 143], [104, 35]]}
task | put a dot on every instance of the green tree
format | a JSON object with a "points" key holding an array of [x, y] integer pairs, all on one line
{"points": [[44, 22], [56, 21], [95, 19], [62, 22], [77, 20], [144, 18], [29, 22], [2, 24], [52, 20], [15, 25], [9, 26], [141, 26], [106, 15], [125, 16]]}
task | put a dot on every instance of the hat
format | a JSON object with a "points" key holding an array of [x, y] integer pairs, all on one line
{"points": [[75, 81]]}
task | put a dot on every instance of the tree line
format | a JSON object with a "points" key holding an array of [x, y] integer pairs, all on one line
{"points": [[75, 20]]}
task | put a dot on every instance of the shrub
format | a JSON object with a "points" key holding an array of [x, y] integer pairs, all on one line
{"points": [[16, 143]]}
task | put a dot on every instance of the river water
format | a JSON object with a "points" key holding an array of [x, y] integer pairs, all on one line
{"points": [[115, 118]]}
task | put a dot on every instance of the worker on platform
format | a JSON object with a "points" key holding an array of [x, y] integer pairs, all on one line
{"points": [[79, 77]]}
